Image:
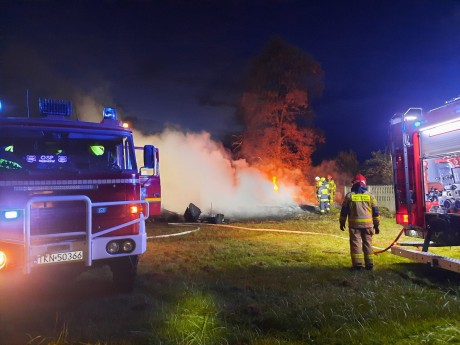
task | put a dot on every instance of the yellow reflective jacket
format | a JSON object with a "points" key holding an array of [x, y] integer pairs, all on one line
{"points": [[323, 193], [332, 185], [361, 209]]}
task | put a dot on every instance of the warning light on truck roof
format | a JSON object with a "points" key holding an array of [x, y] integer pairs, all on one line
{"points": [[109, 113]]}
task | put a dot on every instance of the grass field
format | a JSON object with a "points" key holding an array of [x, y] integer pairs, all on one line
{"points": [[244, 284]]}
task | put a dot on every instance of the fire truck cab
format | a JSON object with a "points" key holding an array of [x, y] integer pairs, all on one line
{"points": [[425, 148], [72, 194]]}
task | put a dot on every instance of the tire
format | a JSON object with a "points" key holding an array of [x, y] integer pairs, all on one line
{"points": [[124, 271]]}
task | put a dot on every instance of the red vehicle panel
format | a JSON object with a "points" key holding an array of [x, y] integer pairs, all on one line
{"points": [[71, 193]]}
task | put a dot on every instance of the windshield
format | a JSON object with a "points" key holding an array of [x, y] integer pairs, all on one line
{"points": [[64, 151]]}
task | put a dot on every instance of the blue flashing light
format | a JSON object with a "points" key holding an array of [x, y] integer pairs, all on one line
{"points": [[12, 214], [55, 107], [1, 107], [109, 113], [417, 123]]}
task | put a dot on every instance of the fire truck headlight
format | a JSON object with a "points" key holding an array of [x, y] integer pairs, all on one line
{"points": [[120, 246], [10, 214], [112, 247], [128, 246], [2, 260]]}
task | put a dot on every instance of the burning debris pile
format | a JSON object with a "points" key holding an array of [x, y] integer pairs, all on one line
{"points": [[196, 169], [192, 215]]}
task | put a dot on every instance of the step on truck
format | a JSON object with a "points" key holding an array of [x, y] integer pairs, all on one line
{"points": [[425, 148], [72, 195]]}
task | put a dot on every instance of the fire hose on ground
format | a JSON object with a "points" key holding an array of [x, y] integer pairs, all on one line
{"points": [[392, 243], [266, 230]]}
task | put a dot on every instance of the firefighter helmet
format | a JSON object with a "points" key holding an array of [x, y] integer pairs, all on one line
{"points": [[329, 177], [359, 179], [317, 178]]}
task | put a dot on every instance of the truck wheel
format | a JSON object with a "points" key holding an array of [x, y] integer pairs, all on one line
{"points": [[124, 270]]}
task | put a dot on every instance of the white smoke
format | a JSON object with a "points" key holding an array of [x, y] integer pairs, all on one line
{"points": [[195, 169], [88, 108]]}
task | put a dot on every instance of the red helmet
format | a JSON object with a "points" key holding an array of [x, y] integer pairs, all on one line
{"points": [[329, 176], [359, 179]]}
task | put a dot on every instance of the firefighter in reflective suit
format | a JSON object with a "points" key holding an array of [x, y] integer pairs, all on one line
{"points": [[318, 183], [323, 197], [362, 211], [332, 189]]}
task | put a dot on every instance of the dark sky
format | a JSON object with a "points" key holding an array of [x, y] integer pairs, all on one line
{"points": [[182, 62]]}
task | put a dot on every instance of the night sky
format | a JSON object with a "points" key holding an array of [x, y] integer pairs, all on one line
{"points": [[182, 63]]}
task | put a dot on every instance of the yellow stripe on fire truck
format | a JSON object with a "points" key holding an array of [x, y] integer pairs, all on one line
{"points": [[153, 199]]}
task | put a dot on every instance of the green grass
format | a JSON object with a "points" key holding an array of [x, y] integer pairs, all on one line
{"points": [[225, 285]]}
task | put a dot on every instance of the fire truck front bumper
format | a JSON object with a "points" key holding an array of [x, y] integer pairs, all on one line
{"points": [[111, 247], [12, 256]]}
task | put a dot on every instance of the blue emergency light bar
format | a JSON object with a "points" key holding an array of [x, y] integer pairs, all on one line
{"points": [[109, 113], [55, 107]]}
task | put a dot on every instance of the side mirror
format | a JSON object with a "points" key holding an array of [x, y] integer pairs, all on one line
{"points": [[149, 156]]}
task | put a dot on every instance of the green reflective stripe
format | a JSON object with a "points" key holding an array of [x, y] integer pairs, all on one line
{"points": [[360, 197], [369, 256], [97, 150], [7, 164], [357, 256]]}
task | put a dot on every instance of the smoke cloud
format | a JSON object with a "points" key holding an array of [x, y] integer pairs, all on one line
{"points": [[195, 169]]}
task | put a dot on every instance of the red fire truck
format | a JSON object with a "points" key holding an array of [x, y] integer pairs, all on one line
{"points": [[425, 149], [72, 194]]}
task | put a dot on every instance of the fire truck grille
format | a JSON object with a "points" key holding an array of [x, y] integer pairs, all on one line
{"points": [[58, 218]]}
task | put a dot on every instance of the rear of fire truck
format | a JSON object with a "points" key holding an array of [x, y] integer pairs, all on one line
{"points": [[425, 150], [72, 195]]}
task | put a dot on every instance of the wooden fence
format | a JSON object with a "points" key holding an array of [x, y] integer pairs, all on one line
{"points": [[383, 193]]}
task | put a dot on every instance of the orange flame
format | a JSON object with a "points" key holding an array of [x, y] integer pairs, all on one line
{"points": [[275, 185]]}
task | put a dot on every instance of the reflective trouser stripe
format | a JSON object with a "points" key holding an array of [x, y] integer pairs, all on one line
{"points": [[357, 259], [324, 206], [369, 259]]}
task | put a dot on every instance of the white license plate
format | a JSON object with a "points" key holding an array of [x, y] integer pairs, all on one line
{"points": [[53, 258]]}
